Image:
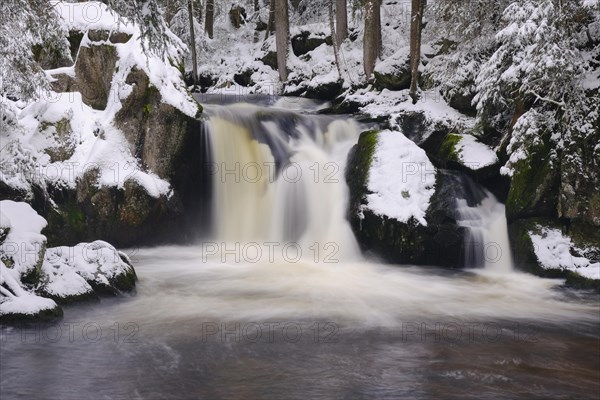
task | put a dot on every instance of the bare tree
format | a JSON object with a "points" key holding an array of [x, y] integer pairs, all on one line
{"points": [[416, 26], [335, 42], [193, 42], [341, 18], [372, 36], [210, 18], [282, 33]]}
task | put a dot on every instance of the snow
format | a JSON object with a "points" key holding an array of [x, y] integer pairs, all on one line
{"points": [[68, 270], [555, 251], [96, 142], [92, 15], [15, 300], [474, 154], [401, 178], [24, 243], [392, 64], [21, 250]]}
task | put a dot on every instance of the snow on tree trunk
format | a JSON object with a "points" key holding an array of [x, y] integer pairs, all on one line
{"points": [[282, 33], [210, 18], [341, 17], [193, 42], [372, 36], [416, 23]]}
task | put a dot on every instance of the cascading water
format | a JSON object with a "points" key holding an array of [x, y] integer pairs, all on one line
{"points": [[486, 243], [278, 178], [219, 328]]}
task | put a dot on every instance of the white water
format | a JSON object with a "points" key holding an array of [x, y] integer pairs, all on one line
{"points": [[302, 202], [247, 273], [487, 243]]}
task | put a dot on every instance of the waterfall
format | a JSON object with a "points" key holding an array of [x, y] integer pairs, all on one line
{"points": [[486, 239], [278, 177]]}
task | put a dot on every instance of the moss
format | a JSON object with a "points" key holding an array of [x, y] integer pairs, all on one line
{"points": [[447, 149], [531, 183], [526, 260], [147, 109]]}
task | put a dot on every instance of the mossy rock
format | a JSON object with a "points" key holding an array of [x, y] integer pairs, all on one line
{"points": [[524, 255], [441, 242], [534, 186], [447, 150]]}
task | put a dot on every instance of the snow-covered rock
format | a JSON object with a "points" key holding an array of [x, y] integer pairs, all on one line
{"points": [[22, 248], [98, 154], [85, 270], [545, 247], [33, 278], [402, 208], [393, 73]]}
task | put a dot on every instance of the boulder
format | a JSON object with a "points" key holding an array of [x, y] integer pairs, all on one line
{"points": [[439, 241], [237, 16], [324, 91], [33, 279], [270, 59], [394, 72], [550, 249], [534, 186], [124, 216], [84, 272], [305, 42]]}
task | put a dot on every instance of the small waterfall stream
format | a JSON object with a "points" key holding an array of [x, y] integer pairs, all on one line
{"points": [[486, 242]]}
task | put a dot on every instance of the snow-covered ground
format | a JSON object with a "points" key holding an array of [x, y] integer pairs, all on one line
{"points": [[401, 178], [555, 251]]}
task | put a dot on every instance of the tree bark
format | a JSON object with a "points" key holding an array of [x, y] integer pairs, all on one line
{"points": [[335, 42], [210, 18], [282, 33], [199, 10], [416, 24], [193, 42], [341, 18], [271, 22], [372, 36]]}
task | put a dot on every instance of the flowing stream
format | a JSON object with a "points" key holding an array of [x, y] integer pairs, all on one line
{"points": [[278, 302]]}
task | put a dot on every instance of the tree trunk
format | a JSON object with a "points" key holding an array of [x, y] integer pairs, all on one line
{"points": [[416, 24], [199, 10], [210, 17], [282, 33], [271, 22], [193, 42], [335, 42], [341, 18], [372, 37]]}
